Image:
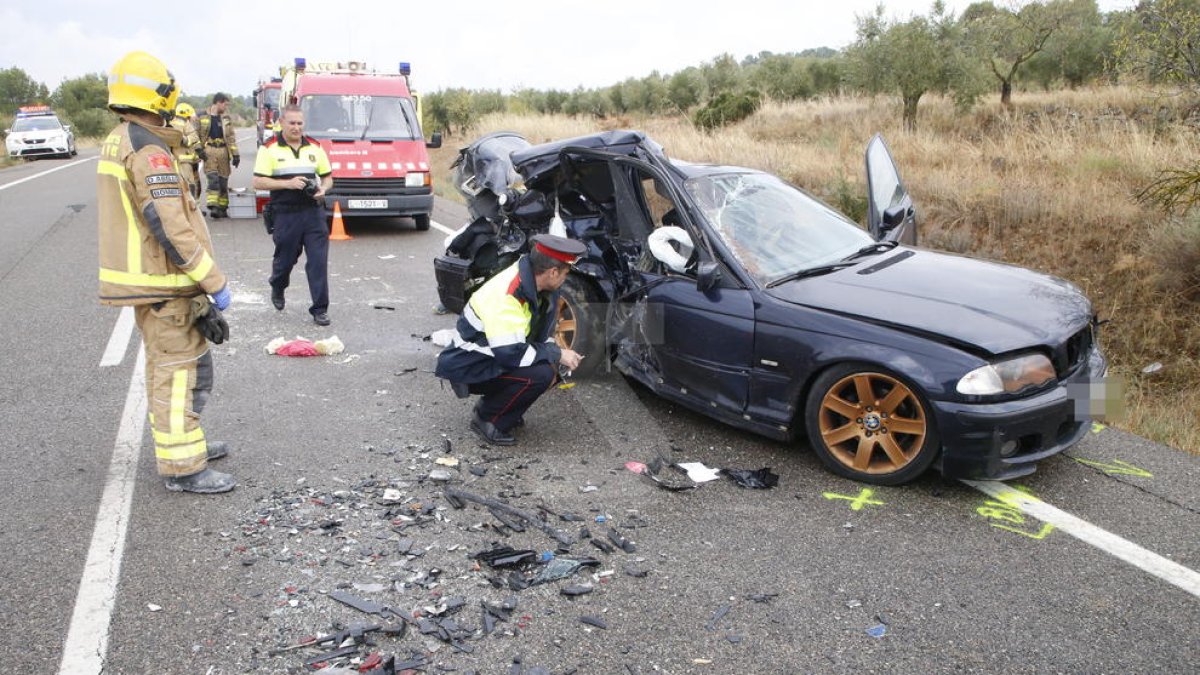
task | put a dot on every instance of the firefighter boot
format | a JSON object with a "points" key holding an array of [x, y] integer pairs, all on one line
{"points": [[205, 482], [217, 450]]}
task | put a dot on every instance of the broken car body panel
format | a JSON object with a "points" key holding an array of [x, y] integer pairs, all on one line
{"points": [[780, 289]]}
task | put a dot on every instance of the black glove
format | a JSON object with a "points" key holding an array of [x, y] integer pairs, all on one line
{"points": [[201, 155], [237, 159], [209, 321]]}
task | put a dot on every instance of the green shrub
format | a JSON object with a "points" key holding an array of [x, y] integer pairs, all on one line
{"points": [[1174, 250], [92, 122], [726, 109]]}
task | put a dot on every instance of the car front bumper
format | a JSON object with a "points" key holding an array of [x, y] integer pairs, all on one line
{"points": [[40, 148], [1001, 441]]}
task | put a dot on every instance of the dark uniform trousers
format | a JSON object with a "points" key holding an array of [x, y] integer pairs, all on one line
{"points": [[507, 397], [302, 229]]}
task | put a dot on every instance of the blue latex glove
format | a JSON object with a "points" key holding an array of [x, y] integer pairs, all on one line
{"points": [[222, 298]]}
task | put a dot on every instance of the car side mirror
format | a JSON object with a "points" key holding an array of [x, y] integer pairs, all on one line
{"points": [[66, 127], [708, 274], [893, 216], [435, 141]]}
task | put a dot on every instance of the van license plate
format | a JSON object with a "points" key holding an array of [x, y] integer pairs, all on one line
{"points": [[367, 203]]}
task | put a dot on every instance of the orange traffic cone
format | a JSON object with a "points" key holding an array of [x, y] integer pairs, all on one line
{"points": [[339, 229]]}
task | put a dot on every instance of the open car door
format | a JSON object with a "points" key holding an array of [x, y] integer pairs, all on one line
{"points": [[890, 212], [687, 334]]}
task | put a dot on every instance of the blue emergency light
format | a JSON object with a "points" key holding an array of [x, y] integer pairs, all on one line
{"points": [[405, 68], [300, 63]]}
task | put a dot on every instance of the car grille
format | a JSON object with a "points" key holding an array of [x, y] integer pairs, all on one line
{"points": [[367, 186], [1074, 352]]}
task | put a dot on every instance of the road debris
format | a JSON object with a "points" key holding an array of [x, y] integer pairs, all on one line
{"points": [[304, 347], [761, 479]]}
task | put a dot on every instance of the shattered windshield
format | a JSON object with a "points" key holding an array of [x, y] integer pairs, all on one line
{"points": [[355, 116], [772, 228]]}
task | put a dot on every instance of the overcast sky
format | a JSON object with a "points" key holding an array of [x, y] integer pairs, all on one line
{"points": [[229, 45]]}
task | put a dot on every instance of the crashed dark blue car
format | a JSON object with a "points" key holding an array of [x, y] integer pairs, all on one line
{"points": [[742, 297]]}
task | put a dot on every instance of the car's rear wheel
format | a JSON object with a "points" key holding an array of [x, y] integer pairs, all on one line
{"points": [[869, 424], [579, 324], [422, 220]]}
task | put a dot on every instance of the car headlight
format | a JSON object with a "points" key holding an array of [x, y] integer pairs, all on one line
{"points": [[1008, 376], [416, 179]]}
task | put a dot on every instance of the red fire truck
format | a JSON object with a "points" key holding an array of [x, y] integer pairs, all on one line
{"points": [[266, 100], [369, 124]]}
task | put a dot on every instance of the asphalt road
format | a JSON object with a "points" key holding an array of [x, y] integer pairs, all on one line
{"points": [[818, 574]]}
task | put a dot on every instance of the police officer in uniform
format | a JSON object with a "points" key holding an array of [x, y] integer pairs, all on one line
{"points": [[217, 134], [296, 171], [191, 153], [156, 255], [504, 350]]}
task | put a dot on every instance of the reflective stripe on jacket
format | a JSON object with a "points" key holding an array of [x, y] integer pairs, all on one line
{"points": [[279, 160], [505, 326], [154, 243], [204, 128], [191, 140]]}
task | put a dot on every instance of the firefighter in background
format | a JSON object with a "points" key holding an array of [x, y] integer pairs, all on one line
{"points": [[191, 153], [220, 147], [156, 255]]}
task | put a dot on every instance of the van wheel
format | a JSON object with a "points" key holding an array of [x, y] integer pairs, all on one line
{"points": [[422, 220], [579, 325]]}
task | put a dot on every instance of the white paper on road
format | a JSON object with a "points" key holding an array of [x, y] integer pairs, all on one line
{"points": [[698, 472]]}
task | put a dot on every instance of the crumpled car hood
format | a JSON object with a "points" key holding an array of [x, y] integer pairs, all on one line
{"points": [[997, 308]]}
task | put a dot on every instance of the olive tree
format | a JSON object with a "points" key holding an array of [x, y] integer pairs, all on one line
{"points": [[1161, 46], [911, 58], [1005, 38]]}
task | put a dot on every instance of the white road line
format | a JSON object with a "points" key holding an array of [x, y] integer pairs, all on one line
{"points": [[48, 171], [441, 227], [1145, 560], [87, 637], [118, 342]]}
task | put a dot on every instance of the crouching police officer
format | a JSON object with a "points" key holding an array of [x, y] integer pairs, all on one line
{"points": [[505, 349], [297, 172], [156, 255]]}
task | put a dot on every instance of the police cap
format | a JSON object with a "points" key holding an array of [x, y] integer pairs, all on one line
{"points": [[559, 248]]}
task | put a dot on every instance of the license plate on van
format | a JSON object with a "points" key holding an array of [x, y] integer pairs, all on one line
{"points": [[367, 203]]}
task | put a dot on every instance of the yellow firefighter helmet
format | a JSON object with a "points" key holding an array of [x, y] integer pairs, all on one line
{"points": [[185, 110], [141, 81]]}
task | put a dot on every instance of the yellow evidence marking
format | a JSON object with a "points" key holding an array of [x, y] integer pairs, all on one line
{"points": [[1116, 467], [856, 503]]}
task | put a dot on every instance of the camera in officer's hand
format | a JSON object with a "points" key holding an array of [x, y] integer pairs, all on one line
{"points": [[310, 186]]}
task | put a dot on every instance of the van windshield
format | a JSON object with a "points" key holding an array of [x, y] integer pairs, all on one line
{"points": [[271, 97], [355, 116]]}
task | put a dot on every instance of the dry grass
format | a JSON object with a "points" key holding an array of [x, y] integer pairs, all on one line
{"points": [[1049, 186]]}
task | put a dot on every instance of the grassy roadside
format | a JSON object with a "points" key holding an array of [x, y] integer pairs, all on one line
{"points": [[1049, 186]]}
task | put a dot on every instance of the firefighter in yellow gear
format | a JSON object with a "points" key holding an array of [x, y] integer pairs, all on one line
{"points": [[156, 255], [191, 152], [220, 146]]}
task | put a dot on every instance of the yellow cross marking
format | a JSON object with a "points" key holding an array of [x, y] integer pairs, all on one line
{"points": [[1047, 528], [856, 503]]}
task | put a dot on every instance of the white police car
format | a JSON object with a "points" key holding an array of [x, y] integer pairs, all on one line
{"points": [[37, 132]]}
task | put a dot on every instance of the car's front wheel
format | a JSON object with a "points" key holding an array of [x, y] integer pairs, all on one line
{"points": [[579, 324], [868, 424]]}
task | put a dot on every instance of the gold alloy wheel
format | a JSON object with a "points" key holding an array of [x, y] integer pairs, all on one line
{"points": [[872, 423], [564, 332]]}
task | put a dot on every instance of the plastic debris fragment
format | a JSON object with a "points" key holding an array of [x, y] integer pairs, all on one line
{"points": [[877, 631], [594, 621], [761, 479]]}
